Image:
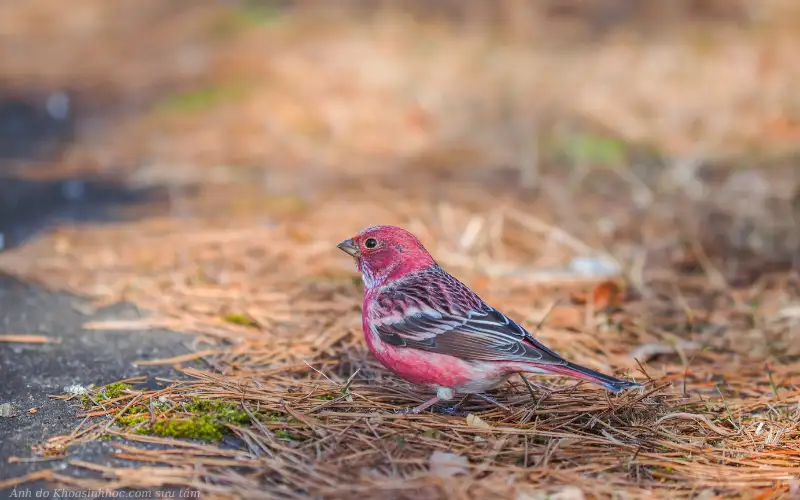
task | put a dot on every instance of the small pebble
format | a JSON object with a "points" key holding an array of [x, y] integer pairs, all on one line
{"points": [[7, 410]]}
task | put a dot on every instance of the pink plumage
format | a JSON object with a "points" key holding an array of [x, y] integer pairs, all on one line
{"points": [[430, 329]]}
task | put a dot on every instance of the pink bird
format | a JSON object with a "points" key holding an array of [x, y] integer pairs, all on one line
{"points": [[430, 329]]}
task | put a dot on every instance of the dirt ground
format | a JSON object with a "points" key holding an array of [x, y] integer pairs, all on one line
{"points": [[620, 177]]}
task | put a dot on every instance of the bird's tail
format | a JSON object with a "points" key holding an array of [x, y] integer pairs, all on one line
{"points": [[610, 383]]}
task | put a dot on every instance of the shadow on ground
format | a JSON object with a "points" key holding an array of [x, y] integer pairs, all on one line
{"points": [[34, 131], [30, 206]]}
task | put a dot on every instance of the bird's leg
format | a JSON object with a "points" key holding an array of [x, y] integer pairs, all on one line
{"points": [[427, 404], [423, 406], [495, 402], [453, 410], [442, 394]]}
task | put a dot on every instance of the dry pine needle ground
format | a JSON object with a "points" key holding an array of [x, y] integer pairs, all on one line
{"points": [[283, 378]]}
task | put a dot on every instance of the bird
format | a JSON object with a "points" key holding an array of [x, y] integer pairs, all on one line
{"points": [[432, 330]]}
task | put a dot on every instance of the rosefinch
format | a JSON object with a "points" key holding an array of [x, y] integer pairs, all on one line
{"points": [[430, 329]]}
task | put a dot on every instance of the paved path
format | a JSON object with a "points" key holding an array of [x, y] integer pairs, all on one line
{"points": [[29, 372]]}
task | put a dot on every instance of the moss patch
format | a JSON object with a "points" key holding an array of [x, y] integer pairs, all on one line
{"points": [[240, 319], [270, 417], [130, 420], [593, 149], [225, 411], [281, 434], [86, 401], [113, 391], [204, 428], [204, 419], [249, 14], [204, 98]]}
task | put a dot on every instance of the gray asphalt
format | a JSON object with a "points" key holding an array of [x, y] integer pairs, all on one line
{"points": [[31, 136], [31, 372]]}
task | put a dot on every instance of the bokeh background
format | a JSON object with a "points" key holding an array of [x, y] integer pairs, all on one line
{"points": [[553, 101], [201, 159]]}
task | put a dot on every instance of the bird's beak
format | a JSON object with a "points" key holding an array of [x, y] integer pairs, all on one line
{"points": [[349, 247]]}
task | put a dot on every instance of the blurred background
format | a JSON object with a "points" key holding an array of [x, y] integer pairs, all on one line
{"points": [[633, 124]]}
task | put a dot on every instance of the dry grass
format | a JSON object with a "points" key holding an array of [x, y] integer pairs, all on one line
{"points": [[429, 127]]}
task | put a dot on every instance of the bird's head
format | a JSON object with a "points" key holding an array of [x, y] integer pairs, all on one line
{"points": [[383, 253]]}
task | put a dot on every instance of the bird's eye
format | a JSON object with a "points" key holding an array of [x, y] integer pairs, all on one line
{"points": [[371, 243]]}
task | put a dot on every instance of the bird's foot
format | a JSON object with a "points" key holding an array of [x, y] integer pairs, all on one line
{"points": [[455, 410], [408, 411], [452, 411], [447, 410]]}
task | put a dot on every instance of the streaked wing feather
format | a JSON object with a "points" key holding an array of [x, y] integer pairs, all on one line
{"points": [[466, 328]]}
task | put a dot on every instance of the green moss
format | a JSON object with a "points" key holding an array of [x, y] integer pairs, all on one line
{"points": [[205, 428], [270, 417], [261, 11], [590, 148], [132, 419], [251, 13], [225, 411], [206, 420], [240, 319], [86, 401], [326, 397], [286, 435], [203, 98], [113, 391]]}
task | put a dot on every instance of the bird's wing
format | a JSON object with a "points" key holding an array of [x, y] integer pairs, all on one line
{"points": [[440, 314]]}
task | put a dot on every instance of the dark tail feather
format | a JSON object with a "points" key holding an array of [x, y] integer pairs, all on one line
{"points": [[610, 383]]}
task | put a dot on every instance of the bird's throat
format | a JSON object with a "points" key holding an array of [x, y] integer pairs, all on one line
{"points": [[373, 279]]}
